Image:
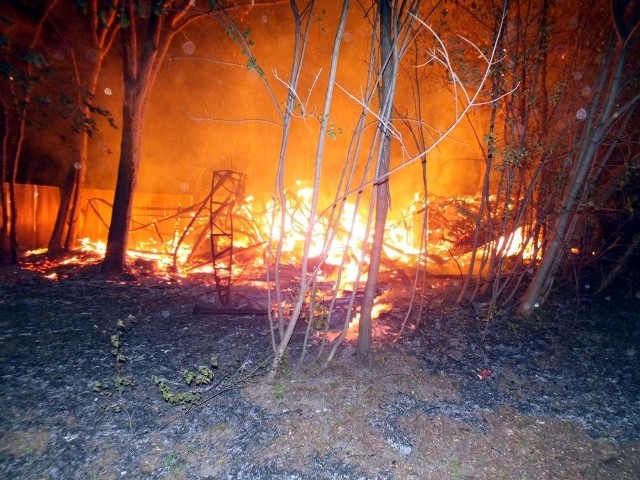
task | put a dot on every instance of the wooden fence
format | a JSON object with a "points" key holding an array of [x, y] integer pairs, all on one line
{"points": [[37, 206]]}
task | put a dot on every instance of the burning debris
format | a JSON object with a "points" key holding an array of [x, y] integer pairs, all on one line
{"points": [[228, 236], [226, 232], [311, 268]]}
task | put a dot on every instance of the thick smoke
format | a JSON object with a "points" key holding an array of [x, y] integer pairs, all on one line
{"points": [[209, 111]]}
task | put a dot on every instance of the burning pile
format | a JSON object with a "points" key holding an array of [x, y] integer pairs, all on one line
{"points": [[227, 231]]}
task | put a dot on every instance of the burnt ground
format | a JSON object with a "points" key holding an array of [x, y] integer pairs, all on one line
{"points": [[561, 399]]}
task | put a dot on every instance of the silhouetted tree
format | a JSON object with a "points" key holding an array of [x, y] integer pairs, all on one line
{"points": [[605, 111], [100, 19], [21, 68], [395, 18], [147, 30]]}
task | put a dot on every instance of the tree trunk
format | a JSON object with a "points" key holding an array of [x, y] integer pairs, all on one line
{"points": [[4, 192], [62, 219], [80, 171], [14, 121], [115, 256], [388, 62], [11, 151], [145, 42], [591, 138], [5, 249], [103, 34], [14, 155], [285, 335], [64, 230], [74, 208], [139, 69]]}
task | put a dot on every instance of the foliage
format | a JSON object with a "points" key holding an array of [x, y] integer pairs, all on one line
{"points": [[279, 391], [201, 375], [76, 113], [201, 381], [314, 309], [119, 381]]}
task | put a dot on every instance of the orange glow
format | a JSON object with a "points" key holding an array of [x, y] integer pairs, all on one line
{"points": [[344, 250], [379, 309], [338, 247], [516, 244], [37, 251], [376, 311], [88, 245]]}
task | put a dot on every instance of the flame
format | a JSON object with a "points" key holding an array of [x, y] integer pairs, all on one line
{"points": [[376, 311], [88, 245], [338, 245], [340, 242], [517, 244], [380, 308]]}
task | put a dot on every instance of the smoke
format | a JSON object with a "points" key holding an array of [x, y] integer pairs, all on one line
{"points": [[210, 111]]}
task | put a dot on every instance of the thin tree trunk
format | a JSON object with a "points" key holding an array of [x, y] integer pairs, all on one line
{"points": [[388, 60], [64, 231], [5, 249], [103, 26], [115, 255], [14, 108], [304, 281], [4, 193], [66, 192], [81, 171], [298, 58], [590, 141], [15, 152], [11, 146]]}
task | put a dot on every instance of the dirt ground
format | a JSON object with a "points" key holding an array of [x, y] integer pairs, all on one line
{"points": [[556, 396]]}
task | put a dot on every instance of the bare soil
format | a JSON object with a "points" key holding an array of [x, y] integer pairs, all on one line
{"points": [[554, 396]]}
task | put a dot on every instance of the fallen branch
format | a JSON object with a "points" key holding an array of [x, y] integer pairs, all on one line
{"points": [[207, 309]]}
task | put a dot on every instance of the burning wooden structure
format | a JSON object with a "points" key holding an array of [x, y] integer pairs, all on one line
{"points": [[225, 229]]}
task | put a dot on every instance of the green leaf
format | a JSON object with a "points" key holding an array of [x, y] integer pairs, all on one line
{"points": [[253, 65], [36, 59], [189, 377]]}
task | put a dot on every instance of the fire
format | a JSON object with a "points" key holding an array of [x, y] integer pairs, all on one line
{"points": [[339, 242], [88, 245], [517, 244], [377, 310], [338, 245], [340, 239]]}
